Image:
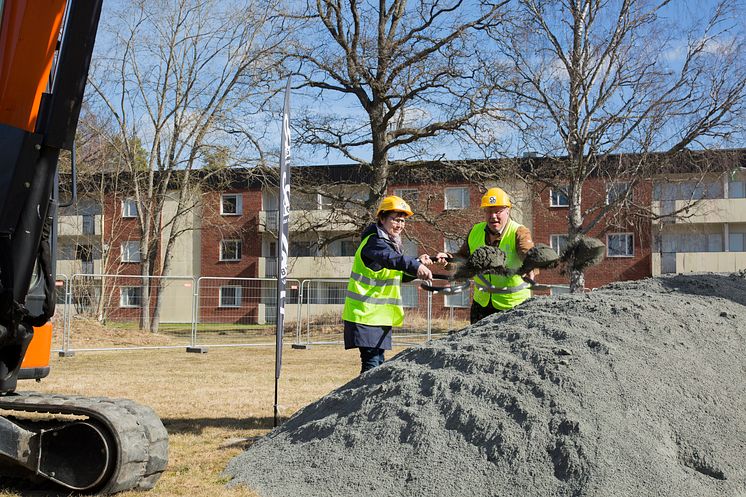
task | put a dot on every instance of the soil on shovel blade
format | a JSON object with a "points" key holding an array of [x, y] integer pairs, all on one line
{"points": [[637, 389]]}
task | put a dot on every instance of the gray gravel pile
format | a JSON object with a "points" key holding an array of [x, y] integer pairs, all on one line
{"points": [[638, 389]]}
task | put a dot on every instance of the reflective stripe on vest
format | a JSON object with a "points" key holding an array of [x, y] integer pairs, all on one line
{"points": [[481, 282], [373, 297], [503, 292]]}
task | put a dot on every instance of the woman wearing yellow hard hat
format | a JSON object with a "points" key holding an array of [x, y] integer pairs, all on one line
{"points": [[373, 303], [494, 293]]}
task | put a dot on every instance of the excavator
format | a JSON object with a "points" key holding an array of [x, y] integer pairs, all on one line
{"points": [[80, 444]]}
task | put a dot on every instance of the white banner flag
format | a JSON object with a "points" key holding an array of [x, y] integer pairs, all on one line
{"points": [[282, 237]]}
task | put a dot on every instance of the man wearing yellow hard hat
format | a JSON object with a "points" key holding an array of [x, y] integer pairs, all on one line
{"points": [[494, 293], [373, 303]]}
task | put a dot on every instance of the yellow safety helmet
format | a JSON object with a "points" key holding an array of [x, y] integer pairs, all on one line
{"points": [[496, 197], [394, 203]]}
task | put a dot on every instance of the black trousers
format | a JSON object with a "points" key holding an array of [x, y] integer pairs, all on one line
{"points": [[477, 312]]}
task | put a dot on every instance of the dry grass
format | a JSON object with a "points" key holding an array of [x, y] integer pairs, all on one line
{"points": [[205, 401]]}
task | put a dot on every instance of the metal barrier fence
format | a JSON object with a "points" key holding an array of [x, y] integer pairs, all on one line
{"points": [[105, 311], [115, 312], [241, 311], [323, 300]]}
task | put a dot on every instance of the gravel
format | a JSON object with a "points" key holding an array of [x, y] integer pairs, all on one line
{"points": [[637, 389]]}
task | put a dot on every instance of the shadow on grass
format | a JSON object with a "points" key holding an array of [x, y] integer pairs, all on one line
{"points": [[195, 426]]}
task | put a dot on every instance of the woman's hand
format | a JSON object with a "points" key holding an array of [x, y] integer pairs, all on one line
{"points": [[424, 273], [425, 259]]}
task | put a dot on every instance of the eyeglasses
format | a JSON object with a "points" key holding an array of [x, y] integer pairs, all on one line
{"points": [[398, 220]]}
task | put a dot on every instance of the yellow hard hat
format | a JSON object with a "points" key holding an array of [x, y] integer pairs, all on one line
{"points": [[496, 197], [394, 203]]}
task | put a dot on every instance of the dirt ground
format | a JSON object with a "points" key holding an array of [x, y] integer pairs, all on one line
{"points": [[637, 389]]}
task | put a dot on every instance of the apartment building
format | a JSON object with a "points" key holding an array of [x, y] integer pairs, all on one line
{"points": [[708, 230], [231, 243]]}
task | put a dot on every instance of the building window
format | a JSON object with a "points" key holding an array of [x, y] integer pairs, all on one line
{"points": [[347, 248], [89, 228], [129, 207], [130, 296], [409, 296], [618, 192], [326, 203], [558, 243], [620, 245], [457, 198], [302, 249], [737, 189], [230, 250], [451, 245], [131, 251], [84, 253], [410, 195], [462, 299], [231, 204], [230, 296], [304, 202], [558, 197], [737, 242], [270, 201]]}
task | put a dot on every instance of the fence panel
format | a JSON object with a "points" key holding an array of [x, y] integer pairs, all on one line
{"points": [[109, 312], [323, 301], [241, 311], [60, 320]]}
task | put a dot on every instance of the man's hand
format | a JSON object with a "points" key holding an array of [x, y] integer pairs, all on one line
{"points": [[442, 258]]}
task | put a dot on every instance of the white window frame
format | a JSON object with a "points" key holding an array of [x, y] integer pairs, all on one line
{"points": [[464, 198], [126, 304], [129, 254], [629, 236], [554, 202], [410, 195], [239, 247], [556, 241], [129, 208], [237, 297], [451, 245], [450, 300], [619, 189], [239, 204]]}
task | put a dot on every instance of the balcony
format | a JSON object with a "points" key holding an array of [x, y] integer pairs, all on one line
{"points": [[87, 225], [697, 262], [308, 267], [722, 210], [304, 220]]}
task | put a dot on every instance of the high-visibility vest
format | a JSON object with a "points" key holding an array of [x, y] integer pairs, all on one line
{"points": [[505, 292], [373, 297]]}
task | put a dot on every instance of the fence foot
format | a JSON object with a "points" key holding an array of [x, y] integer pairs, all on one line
{"points": [[301, 346], [66, 353], [197, 350]]}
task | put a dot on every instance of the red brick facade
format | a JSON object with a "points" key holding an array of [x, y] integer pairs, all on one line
{"points": [[429, 228], [548, 221]]}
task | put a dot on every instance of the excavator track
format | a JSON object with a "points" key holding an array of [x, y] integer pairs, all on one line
{"points": [[99, 445]]}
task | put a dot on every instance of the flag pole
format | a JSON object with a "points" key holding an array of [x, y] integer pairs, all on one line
{"points": [[283, 214]]}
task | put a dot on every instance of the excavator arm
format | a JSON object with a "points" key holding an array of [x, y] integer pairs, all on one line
{"points": [[83, 444]]}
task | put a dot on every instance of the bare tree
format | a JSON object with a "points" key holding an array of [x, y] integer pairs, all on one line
{"points": [[387, 78], [591, 79], [185, 80]]}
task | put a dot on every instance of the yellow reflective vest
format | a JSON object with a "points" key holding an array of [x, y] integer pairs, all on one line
{"points": [[502, 291], [373, 297]]}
